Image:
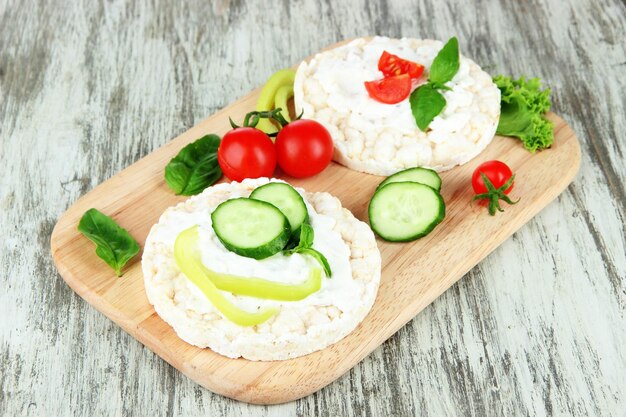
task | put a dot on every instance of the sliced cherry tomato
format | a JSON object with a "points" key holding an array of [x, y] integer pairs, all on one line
{"points": [[246, 152], [390, 65], [497, 172], [304, 148], [390, 90]]}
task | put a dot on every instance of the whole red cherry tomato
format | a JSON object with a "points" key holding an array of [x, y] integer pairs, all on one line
{"points": [[246, 152], [390, 90], [501, 178], [497, 172], [304, 148]]}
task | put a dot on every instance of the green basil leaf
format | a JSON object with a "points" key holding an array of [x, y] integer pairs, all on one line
{"points": [[304, 248], [305, 240], [306, 236], [319, 258], [446, 63], [426, 104], [195, 167], [114, 245]]}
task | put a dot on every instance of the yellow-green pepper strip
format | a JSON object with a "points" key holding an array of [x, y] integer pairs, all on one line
{"points": [[283, 94], [269, 290], [268, 94], [261, 288], [188, 260]]}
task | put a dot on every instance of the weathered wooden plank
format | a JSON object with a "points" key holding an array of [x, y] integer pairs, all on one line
{"points": [[87, 88]]}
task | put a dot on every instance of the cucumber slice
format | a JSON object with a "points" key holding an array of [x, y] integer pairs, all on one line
{"points": [[287, 199], [405, 211], [422, 175], [251, 228]]}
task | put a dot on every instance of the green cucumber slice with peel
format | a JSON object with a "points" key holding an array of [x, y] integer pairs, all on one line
{"points": [[286, 199], [422, 175], [405, 211], [251, 228]]}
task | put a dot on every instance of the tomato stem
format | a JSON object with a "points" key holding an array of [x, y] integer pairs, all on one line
{"points": [[252, 118], [494, 195]]}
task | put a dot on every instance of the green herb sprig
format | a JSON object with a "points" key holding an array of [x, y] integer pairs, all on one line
{"points": [[305, 248], [114, 245], [426, 101]]}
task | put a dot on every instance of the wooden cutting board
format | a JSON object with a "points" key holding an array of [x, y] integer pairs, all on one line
{"points": [[413, 274]]}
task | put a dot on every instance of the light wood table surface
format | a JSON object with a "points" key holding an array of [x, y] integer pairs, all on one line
{"points": [[89, 87]]}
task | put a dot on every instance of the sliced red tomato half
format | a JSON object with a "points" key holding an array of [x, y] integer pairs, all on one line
{"points": [[390, 65], [390, 90]]}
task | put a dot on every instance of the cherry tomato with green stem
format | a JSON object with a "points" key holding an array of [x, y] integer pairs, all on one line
{"points": [[498, 173], [304, 148], [492, 181], [246, 152]]}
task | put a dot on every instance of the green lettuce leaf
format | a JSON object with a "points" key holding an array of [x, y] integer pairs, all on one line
{"points": [[522, 106]]}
